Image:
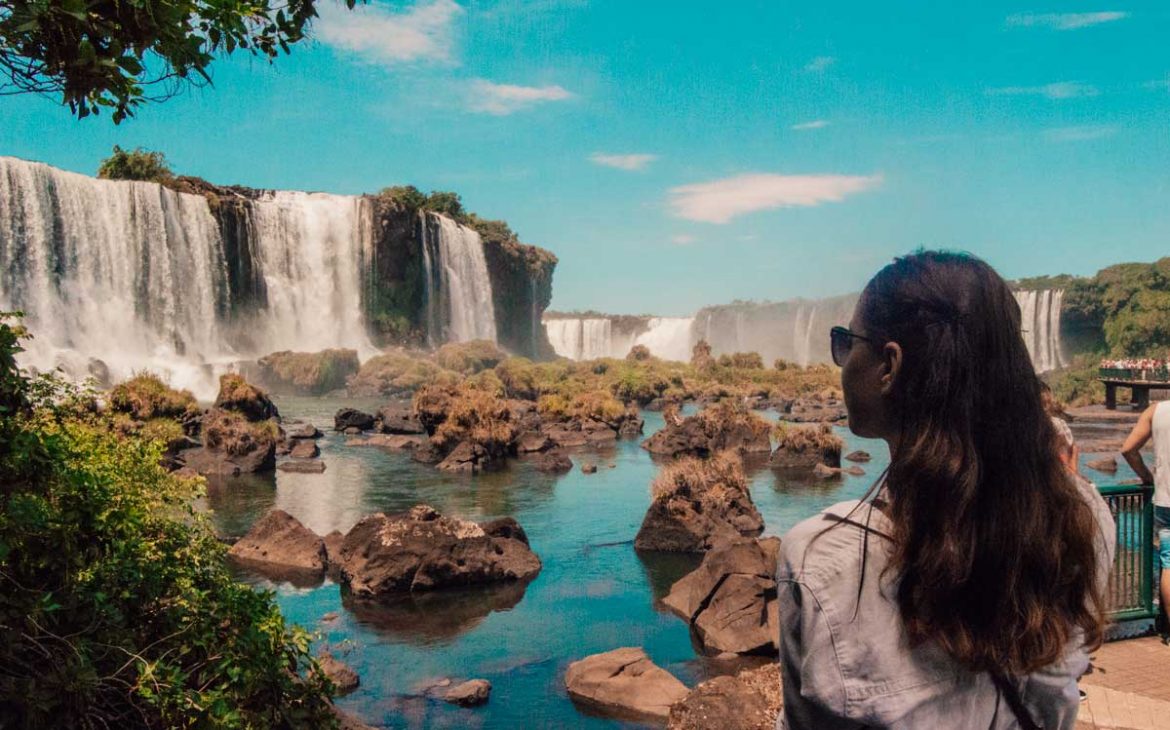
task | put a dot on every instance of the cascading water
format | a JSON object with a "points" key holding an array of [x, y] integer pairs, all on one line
{"points": [[668, 338], [135, 275], [459, 304], [581, 338], [1040, 321]]}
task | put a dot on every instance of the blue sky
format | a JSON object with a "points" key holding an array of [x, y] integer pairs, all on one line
{"points": [[676, 154]]}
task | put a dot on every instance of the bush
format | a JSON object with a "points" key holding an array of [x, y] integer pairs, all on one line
{"points": [[471, 357], [806, 439], [308, 373], [732, 416], [465, 413], [237, 394], [235, 435], [701, 355], [136, 164], [638, 353], [690, 476], [745, 360], [518, 378], [447, 203], [146, 396], [633, 384], [117, 607], [397, 374], [1077, 385], [407, 196]]}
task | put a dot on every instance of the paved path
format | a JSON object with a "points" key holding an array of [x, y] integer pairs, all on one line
{"points": [[1128, 688]]}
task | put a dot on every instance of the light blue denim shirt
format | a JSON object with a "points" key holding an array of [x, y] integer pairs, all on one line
{"points": [[846, 660]]}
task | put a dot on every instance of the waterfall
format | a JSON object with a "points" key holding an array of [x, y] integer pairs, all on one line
{"points": [[1040, 322], [459, 303], [136, 275], [581, 338], [668, 338]]}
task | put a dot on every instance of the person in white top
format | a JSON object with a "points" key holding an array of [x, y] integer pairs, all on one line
{"points": [[1155, 423]]}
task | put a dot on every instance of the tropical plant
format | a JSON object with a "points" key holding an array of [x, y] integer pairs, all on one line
{"points": [[135, 164]]}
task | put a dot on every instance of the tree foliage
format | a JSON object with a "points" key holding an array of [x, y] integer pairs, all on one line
{"points": [[136, 164], [117, 608], [118, 55]]}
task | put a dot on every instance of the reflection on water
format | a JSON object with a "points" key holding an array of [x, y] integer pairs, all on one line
{"points": [[432, 617], [594, 593]]}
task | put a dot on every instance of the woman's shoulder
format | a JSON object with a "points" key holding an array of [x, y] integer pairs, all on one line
{"points": [[827, 545]]}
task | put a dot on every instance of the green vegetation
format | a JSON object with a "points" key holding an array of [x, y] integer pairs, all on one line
{"points": [[397, 373], [309, 373], [117, 608], [145, 396], [118, 56], [1077, 385], [471, 357], [136, 164], [235, 435]]}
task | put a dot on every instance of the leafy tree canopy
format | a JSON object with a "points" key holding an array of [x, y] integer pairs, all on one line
{"points": [[99, 54], [136, 164]]}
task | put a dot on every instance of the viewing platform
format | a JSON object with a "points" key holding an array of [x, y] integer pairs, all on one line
{"points": [[1140, 381]]}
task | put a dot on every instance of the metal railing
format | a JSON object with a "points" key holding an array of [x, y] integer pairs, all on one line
{"points": [[1131, 585], [1140, 375]]}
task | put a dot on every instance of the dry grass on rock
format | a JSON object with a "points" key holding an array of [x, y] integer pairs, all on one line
{"points": [[146, 396]]}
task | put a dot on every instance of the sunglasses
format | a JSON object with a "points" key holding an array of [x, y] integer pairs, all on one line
{"points": [[841, 344]]}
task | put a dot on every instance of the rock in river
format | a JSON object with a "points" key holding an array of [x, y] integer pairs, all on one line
{"points": [[625, 683], [748, 701], [279, 541], [348, 418], [730, 599], [421, 550]]}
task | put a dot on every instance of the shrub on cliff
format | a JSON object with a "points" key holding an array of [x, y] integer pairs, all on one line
{"points": [[638, 353], [730, 416], [817, 442], [471, 357], [308, 373], [146, 396], [117, 608], [701, 358], [396, 374], [746, 360], [238, 395], [235, 435], [597, 405], [407, 196], [518, 376], [136, 164], [638, 382], [1077, 385]]}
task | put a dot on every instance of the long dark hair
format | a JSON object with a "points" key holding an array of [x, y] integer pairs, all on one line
{"points": [[993, 543]]}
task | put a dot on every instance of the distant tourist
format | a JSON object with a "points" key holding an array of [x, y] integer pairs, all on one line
{"points": [[966, 589], [1155, 422]]}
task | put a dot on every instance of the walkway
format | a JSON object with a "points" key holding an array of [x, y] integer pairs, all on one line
{"points": [[1128, 687]]}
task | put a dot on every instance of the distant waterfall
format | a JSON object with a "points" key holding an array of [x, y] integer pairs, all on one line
{"points": [[459, 303], [581, 338], [668, 338], [136, 276], [1040, 321], [796, 330]]}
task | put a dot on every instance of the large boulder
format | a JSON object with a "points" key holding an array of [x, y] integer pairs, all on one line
{"points": [[240, 396], [718, 427], [302, 466], [280, 542], [232, 445], [399, 418], [553, 462], [421, 550], [344, 678], [468, 458], [472, 693], [624, 683], [698, 504], [396, 441], [804, 447], [304, 449], [750, 700], [347, 418], [730, 599], [306, 373]]}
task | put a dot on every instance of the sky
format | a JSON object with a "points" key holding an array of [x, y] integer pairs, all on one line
{"points": [[678, 154]]}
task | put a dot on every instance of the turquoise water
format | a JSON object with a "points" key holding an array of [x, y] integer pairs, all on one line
{"points": [[595, 593]]}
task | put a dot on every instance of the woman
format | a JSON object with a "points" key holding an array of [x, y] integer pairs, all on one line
{"points": [[965, 592]]}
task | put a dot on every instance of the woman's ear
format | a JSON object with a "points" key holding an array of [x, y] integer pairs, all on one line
{"points": [[891, 366]]}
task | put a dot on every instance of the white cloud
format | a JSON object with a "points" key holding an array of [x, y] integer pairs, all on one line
{"points": [[623, 162], [378, 34], [501, 99], [1064, 21], [682, 239], [718, 201], [815, 124], [820, 63], [1079, 134], [1058, 90]]}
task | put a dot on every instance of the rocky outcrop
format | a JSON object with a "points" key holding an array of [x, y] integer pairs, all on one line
{"points": [[306, 466], [699, 504], [718, 427], [521, 278], [1107, 465], [421, 550], [730, 599], [803, 448], [472, 693], [278, 541], [240, 396], [399, 418], [305, 431], [347, 418], [305, 373], [344, 678], [624, 683], [232, 445], [398, 442], [469, 458], [553, 462], [304, 449], [751, 700], [859, 457]]}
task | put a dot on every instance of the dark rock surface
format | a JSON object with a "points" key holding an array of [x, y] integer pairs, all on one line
{"points": [[750, 700], [421, 550], [399, 418], [348, 418], [280, 541], [472, 693], [304, 449], [302, 466], [343, 676], [553, 462]]}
